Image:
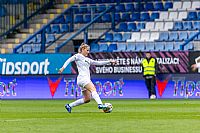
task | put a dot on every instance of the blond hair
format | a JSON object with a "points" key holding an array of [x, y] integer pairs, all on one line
{"points": [[83, 46]]}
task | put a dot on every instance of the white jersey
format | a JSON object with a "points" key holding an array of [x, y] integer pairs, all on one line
{"points": [[83, 64]]}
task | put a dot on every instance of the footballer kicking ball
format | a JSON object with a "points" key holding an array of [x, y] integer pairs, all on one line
{"points": [[109, 108]]}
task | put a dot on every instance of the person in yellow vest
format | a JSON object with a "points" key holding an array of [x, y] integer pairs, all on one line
{"points": [[149, 67]]}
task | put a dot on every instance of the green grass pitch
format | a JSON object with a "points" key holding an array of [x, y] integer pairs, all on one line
{"points": [[128, 116]]}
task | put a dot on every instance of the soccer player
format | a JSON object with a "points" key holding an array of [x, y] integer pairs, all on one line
{"points": [[83, 79]]}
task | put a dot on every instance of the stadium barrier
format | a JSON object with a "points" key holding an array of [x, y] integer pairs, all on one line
{"points": [[35, 76]]}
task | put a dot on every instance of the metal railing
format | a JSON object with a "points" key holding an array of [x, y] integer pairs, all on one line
{"points": [[15, 14]]}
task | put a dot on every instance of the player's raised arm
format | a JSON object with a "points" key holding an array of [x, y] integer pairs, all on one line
{"points": [[71, 59], [93, 62]]}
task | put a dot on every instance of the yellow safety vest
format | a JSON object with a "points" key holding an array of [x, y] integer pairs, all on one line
{"points": [[149, 67]]}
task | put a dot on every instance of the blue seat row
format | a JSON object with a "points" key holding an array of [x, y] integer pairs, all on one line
{"points": [[152, 46], [193, 16], [57, 28], [186, 25], [176, 36], [129, 27], [116, 37]]}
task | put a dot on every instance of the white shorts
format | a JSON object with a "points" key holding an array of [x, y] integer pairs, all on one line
{"points": [[82, 82]]}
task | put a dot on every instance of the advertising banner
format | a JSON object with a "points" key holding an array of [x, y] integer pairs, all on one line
{"points": [[32, 64], [129, 62], [113, 86]]}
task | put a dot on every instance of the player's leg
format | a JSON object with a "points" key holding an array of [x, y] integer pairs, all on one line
{"points": [[86, 98], [90, 86], [153, 89], [148, 85]]}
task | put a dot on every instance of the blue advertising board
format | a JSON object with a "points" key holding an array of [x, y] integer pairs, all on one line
{"points": [[32, 64]]}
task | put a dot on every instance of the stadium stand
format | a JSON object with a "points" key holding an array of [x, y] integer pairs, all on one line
{"points": [[132, 26]]}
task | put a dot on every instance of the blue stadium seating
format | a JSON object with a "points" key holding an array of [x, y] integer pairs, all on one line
{"points": [[55, 29], [159, 46], [149, 6], [121, 47], [94, 47], [120, 8], [145, 16], [122, 27], [192, 16], [106, 18], [164, 36], [78, 19], [101, 8], [150, 46], [178, 26], [103, 47], [64, 28], [140, 46], [130, 47], [131, 27], [126, 36], [87, 18], [108, 37], [173, 36], [129, 7], [159, 6], [187, 25], [125, 17], [135, 17], [154, 16], [112, 47], [169, 46], [168, 5], [196, 25], [183, 36], [50, 38], [117, 37]]}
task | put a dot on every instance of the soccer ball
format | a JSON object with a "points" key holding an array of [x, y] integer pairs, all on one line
{"points": [[109, 108], [153, 97]]}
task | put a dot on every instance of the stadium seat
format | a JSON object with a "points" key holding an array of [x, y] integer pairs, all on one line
{"points": [[169, 46], [159, 26], [182, 15], [126, 36], [117, 17], [168, 5], [103, 47], [196, 25], [134, 37], [48, 29], [195, 4], [178, 26], [129, 7], [159, 46], [106, 18], [189, 46], [130, 47], [101, 8], [177, 5], [83, 9], [121, 47], [139, 7], [125, 17], [145, 36], [159, 6], [50, 38], [68, 19], [173, 36], [87, 18], [135, 16], [164, 16], [108, 37], [173, 15], [94, 47], [122, 27], [33, 40], [55, 29], [139, 46], [154, 36], [78, 19], [140, 26], [186, 5], [120, 8], [64, 28], [144, 16], [132, 27], [149, 6], [154, 16], [192, 16], [177, 46], [112, 47], [187, 25], [183, 36], [150, 46], [117, 37], [168, 25], [164, 36]]}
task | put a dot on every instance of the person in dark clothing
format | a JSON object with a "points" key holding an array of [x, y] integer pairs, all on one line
{"points": [[149, 65]]}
